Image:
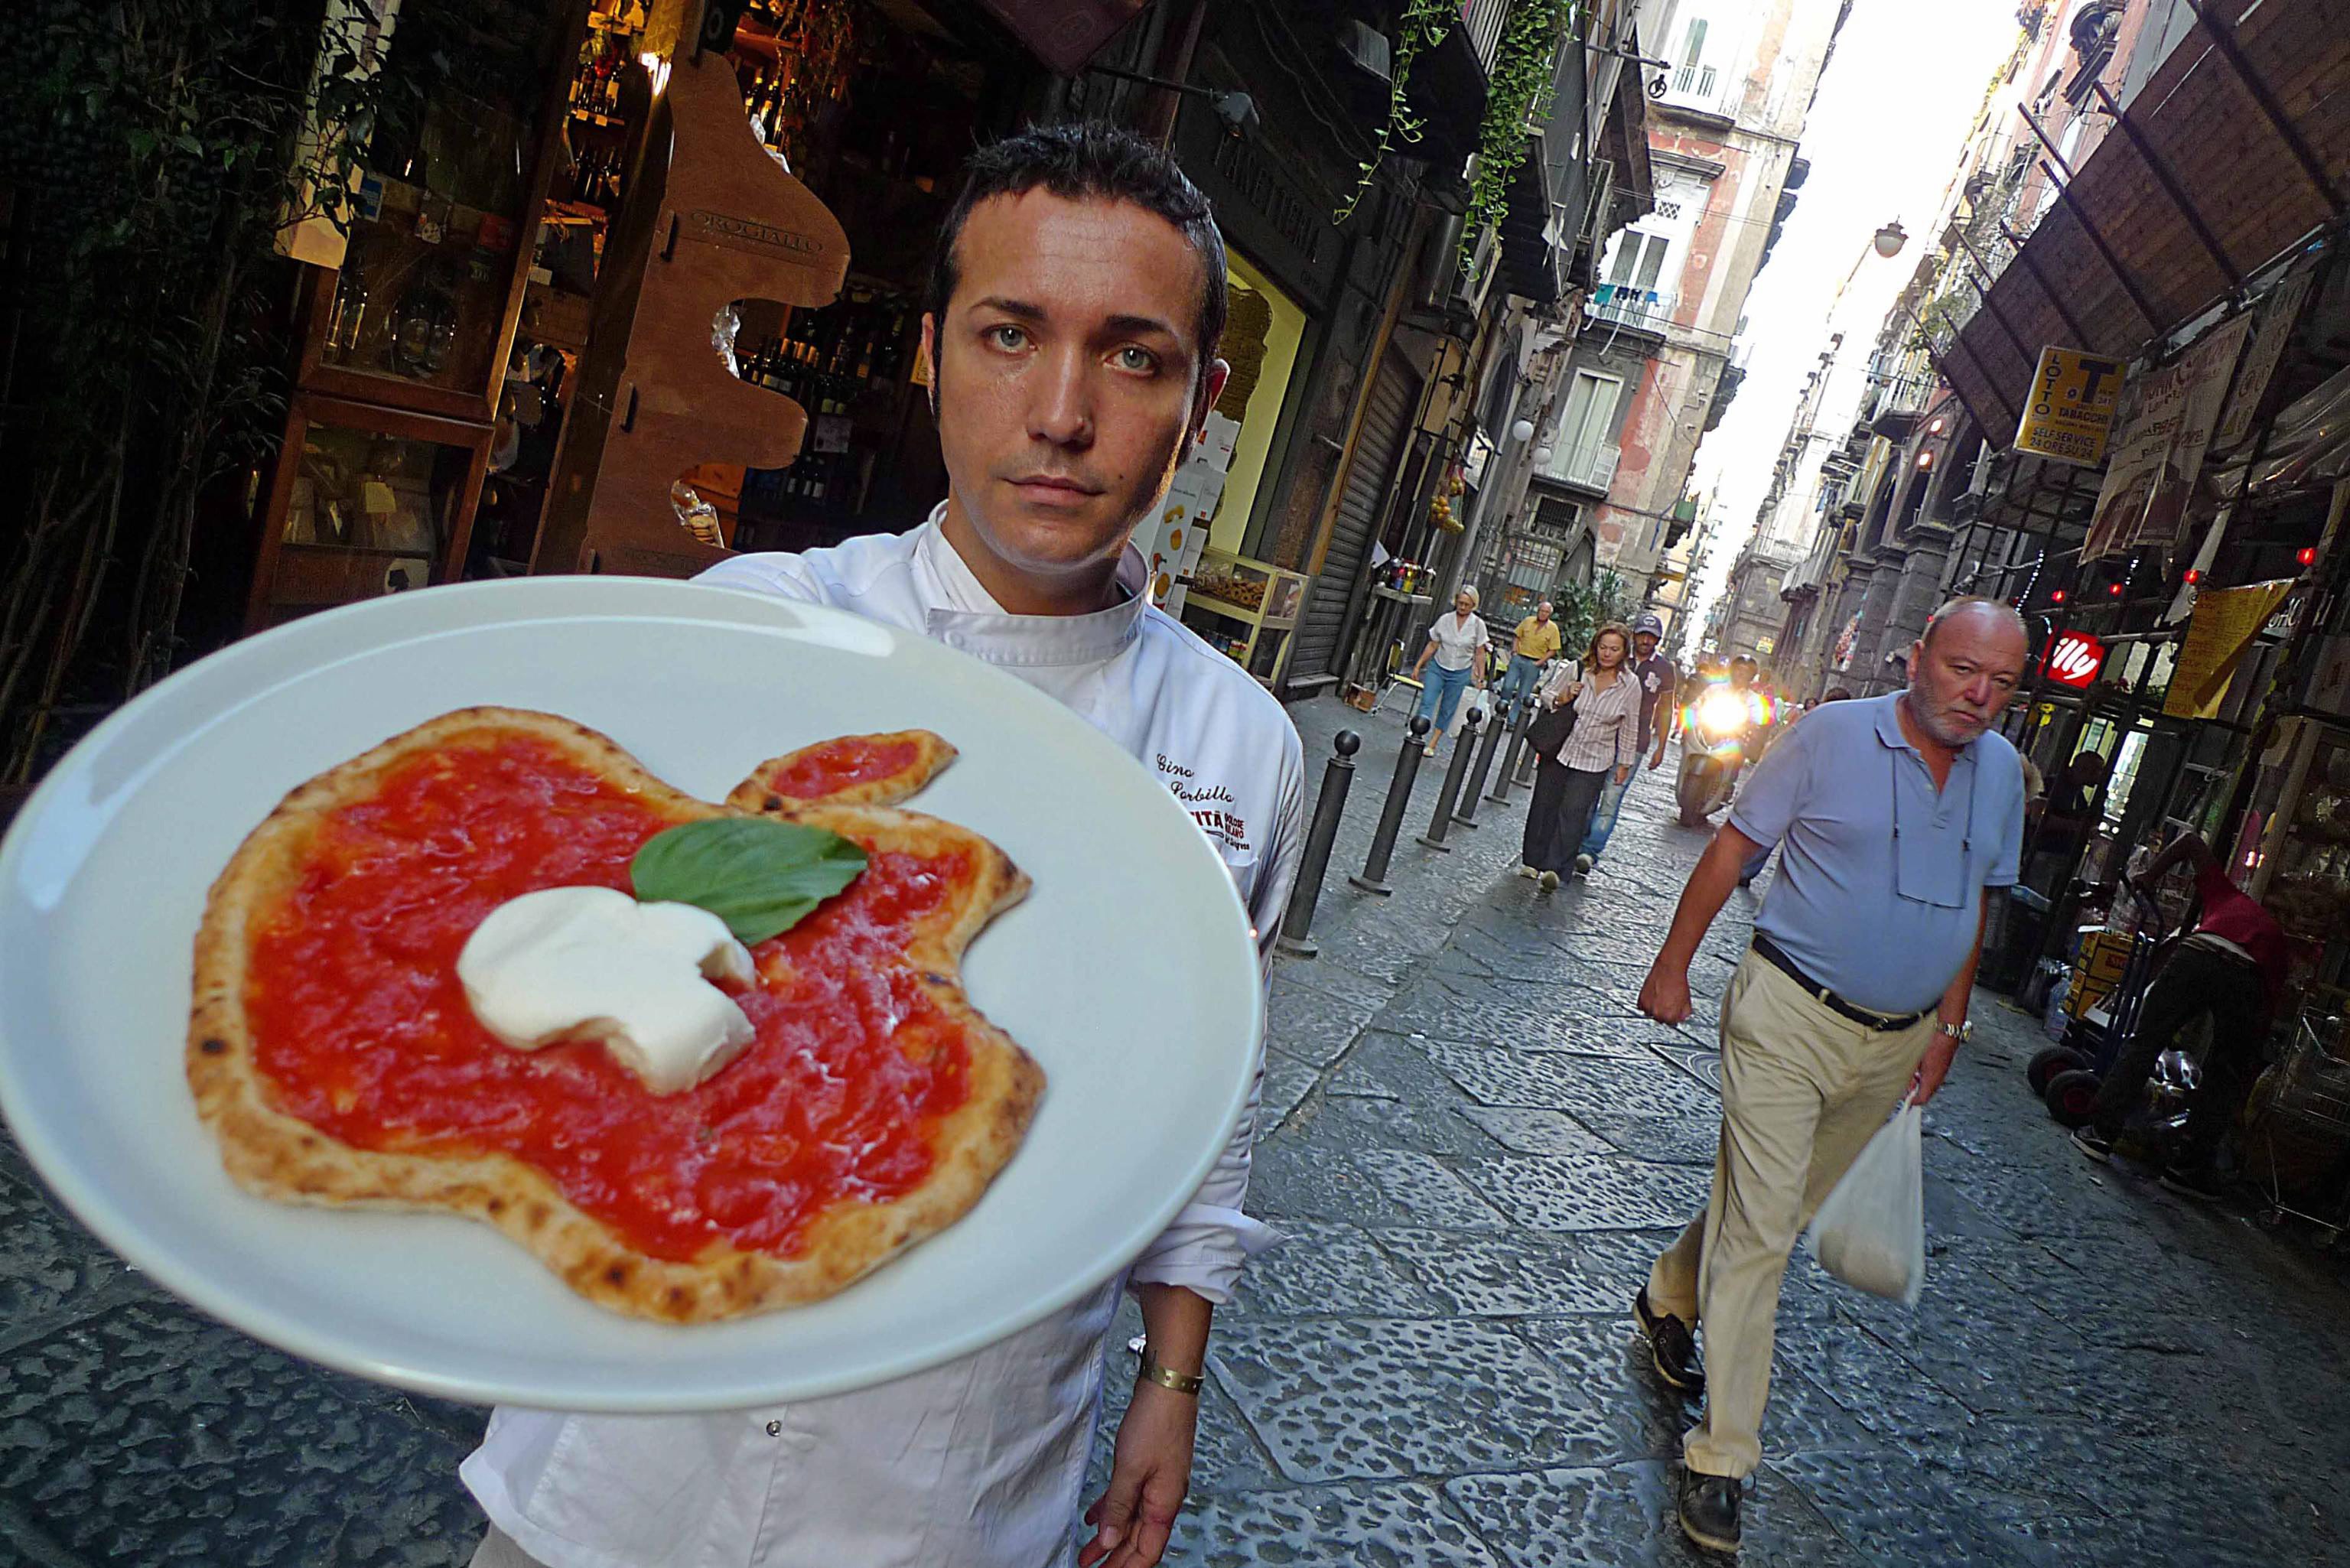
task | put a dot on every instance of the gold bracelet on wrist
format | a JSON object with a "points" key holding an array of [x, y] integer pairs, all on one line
{"points": [[1180, 1382]]}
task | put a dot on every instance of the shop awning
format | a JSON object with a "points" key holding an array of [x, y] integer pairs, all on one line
{"points": [[2129, 263]]}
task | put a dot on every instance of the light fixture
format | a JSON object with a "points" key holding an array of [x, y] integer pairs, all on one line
{"points": [[2056, 595], [2114, 590], [1543, 455], [1522, 430], [2306, 554], [1925, 460], [1891, 238], [1934, 425], [2193, 576]]}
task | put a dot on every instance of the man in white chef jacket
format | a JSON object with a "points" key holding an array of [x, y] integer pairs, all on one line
{"points": [[1075, 312]]}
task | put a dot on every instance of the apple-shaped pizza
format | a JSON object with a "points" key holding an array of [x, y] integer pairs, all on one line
{"points": [[701, 1060]]}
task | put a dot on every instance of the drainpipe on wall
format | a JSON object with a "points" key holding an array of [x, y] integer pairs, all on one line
{"points": [[1172, 63]]}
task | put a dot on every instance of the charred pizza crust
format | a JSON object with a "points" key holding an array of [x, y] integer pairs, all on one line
{"points": [[276, 1154], [932, 755]]}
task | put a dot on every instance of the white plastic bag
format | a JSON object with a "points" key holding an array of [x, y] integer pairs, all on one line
{"points": [[1871, 1231], [1479, 701]]}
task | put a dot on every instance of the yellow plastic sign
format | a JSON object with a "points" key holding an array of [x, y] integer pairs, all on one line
{"points": [[2070, 413], [2223, 625]]}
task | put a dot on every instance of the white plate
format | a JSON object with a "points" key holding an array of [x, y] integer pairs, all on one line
{"points": [[1129, 973]]}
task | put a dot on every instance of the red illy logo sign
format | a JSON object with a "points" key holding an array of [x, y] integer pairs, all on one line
{"points": [[2074, 659]]}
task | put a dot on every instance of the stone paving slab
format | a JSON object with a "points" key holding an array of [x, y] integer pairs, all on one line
{"points": [[1371, 1398], [1589, 1192], [1399, 1526], [1623, 1517]]}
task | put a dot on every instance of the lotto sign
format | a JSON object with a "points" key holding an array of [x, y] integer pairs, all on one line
{"points": [[2075, 659], [2071, 409]]}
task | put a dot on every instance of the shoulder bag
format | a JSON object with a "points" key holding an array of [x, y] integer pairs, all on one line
{"points": [[1552, 727]]}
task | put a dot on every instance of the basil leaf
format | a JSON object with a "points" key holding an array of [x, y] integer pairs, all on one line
{"points": [[759, 875]]}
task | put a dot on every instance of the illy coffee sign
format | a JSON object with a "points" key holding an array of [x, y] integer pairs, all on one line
{"points": [[2074, 659]]}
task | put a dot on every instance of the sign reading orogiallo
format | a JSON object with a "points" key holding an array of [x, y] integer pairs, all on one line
{"points": [[2071, 411]]}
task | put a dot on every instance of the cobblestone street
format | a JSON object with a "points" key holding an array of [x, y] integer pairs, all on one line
{"points": [[1475, 1145]]}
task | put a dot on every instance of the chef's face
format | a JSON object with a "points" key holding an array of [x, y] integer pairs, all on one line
{"points": [[1068, 377]]}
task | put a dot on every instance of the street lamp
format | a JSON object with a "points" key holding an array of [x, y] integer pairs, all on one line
{"points": [[1891, 238], [1522, 430]]}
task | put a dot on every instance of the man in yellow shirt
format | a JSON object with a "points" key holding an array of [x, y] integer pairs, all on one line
{"points": [[1537, 645]]}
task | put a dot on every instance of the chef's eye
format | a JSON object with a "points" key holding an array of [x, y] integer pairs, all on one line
{"points": [[1140, 361], [1006, 337]]}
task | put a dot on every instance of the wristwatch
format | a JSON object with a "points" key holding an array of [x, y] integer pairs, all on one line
{"points": [[1955, 1032]]}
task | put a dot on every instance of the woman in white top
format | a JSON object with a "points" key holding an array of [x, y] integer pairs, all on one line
{"points": [[1456, 643], [1606, 738]]}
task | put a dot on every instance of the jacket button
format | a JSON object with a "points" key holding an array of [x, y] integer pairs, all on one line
{"points": [[774, 1429]]}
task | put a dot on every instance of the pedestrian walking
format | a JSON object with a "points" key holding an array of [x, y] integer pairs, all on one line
{"points": [[1456, 643], [1660, 685], [1601, 745], [1074, 254], [1893, 816], [2232, 971], [1531, 652]]}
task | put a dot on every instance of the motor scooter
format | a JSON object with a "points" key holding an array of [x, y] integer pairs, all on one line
{"points": [[1714, 748]]}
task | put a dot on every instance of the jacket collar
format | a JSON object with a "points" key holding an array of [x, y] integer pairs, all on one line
{"points": [[960, 612]]}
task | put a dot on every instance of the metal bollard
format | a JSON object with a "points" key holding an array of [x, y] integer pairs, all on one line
{"points": [[1451, 793], [1467, 815], [1501, 794], [1374, 877], [1337, 777], [1530, 764]]}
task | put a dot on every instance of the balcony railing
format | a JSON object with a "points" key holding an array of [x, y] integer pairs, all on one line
{"points": [[1592, 467], [1481, 26], [1621, 305]]}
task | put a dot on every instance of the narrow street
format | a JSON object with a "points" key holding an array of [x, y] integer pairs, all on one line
{"points": [[1474, 1145]]}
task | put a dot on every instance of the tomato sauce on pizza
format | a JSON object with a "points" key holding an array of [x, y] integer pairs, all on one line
{"points": [[836, 766], [361, 1029]]}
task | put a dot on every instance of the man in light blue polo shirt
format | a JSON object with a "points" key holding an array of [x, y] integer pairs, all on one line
{"points": [[1893, 816]]}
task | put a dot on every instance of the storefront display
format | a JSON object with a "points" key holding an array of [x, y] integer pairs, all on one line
{"points": [[1247, 608], [375, 502]]}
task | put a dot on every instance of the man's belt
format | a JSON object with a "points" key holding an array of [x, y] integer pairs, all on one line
{"points": [[1770, 952]]}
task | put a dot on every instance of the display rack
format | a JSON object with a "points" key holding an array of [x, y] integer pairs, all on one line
{"points": [[1226, 591]]}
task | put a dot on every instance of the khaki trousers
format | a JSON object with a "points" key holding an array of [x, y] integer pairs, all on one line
{"points": [[1802, 1091]]}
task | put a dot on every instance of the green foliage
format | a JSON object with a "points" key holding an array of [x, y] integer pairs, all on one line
{"points": [[154, 149], [1421, 27], [1580, 609], [760, 876], [1524, 76]]}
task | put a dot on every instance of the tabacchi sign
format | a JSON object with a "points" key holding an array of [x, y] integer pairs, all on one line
{"points": [[2074, 659]]}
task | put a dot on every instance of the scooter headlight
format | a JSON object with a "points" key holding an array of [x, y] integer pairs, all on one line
{"points": [[1719, 715]]}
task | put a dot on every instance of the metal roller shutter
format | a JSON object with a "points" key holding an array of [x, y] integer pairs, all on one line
{"points": [[1362, 504]]}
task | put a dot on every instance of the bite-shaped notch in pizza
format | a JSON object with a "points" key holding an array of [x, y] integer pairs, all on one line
{"points": [[701, 1063]]}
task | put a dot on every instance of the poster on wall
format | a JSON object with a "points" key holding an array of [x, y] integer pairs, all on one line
{"points": [[2225, 622], [2161, 435], [2279, 316], [1171, 538]]}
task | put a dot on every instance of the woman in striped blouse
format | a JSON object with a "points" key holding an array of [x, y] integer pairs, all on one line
{"points": [[1607, 739]]}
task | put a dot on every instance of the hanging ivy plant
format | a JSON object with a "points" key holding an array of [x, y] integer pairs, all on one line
{"points": [[1421, 27], [1524, 78]]}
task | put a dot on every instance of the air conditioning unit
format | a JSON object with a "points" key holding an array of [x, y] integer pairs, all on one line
{"points": [[1368, 50]]}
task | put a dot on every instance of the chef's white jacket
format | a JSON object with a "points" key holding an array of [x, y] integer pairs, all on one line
{"points": [[978, 1463]]}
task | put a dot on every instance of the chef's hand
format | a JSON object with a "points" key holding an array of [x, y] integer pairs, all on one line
{"points": [[1664, 994], [1148, 1480]]}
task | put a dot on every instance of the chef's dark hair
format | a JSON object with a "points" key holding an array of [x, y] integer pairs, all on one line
{"points": [[1089, 161]]}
